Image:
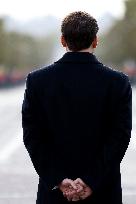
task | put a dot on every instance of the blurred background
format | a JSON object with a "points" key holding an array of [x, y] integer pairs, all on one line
{"points": [[30, 39]]}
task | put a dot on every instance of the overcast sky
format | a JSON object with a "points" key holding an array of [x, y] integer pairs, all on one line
{"points": [[27, 9]]}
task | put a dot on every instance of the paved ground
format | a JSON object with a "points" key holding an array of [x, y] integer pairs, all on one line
{"points": [[18, 180]]}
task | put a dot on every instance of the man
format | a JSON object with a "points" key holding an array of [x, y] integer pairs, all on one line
{"points": [[77, 120]]}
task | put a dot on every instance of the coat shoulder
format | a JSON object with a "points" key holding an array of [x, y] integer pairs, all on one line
{"points": [[41, 75], [114, 75], [118, 81], [43, 71]]}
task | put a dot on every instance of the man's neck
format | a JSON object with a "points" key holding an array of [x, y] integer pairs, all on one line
{"points": [[90, 50]]}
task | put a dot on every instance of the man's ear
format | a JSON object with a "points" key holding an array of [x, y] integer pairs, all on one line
{"points": [[63, 42], [95, 42]]}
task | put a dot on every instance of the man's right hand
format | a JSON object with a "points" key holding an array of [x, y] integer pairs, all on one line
{"points": [[85, 192]]}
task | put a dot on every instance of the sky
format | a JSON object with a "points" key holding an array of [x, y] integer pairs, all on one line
{"points": [[28, 9]]}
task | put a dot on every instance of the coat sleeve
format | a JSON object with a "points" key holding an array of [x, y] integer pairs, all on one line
{"points": [[35, 139], [118, 137]]}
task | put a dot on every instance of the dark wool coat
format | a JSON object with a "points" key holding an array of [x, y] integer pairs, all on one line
{"points": [[77, 120]]}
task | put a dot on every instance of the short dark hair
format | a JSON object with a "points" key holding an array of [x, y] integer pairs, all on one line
{"points": [[79, 30]]}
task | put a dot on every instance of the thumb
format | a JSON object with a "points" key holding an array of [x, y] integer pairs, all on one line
{"points": [[80, 181], [69, 182]]}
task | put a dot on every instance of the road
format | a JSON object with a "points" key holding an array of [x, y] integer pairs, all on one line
{"points": [[18, 179]]}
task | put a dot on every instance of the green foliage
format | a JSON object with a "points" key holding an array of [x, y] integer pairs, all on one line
{"points": [[119, 44], [2, 41], [21, 51]]}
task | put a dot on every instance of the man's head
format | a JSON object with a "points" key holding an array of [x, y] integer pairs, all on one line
{"points": [[79, 31]]}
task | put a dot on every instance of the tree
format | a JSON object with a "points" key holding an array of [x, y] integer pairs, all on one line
{"points": [[22, 51], [119, 44], [2, 41]]}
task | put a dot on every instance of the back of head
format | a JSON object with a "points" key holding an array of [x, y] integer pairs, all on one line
{"points": [[79, 29]]}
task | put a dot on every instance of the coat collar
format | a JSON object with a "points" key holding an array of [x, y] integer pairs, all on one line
{"points": [[78, 57]]}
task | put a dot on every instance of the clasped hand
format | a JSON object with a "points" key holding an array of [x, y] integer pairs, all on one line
{"points": [[75, 190]]}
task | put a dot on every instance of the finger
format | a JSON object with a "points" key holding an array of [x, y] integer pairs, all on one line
{"points": [[68, 182], [63, 185], [85, 194], [76, 198], [73, 185], [69, 197], [64, 194], [79, 181], [79, 188], [83, 197], [71, 194]]}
